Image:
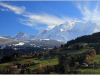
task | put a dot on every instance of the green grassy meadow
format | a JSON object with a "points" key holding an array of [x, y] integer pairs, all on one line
{"points": [[96, 58], [54, 61], [43, 62], [88, 71], [77, 51]]}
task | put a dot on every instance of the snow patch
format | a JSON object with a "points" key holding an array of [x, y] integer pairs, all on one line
{"points": [[3, 37], [61, 29], [4, 46], [20, 43], [63, 32], [45, 39]]}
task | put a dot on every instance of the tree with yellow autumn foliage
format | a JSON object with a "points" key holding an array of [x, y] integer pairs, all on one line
{"points": [[88, 59], [34, 52], [76, 64], [40, 67], [94, 52], [29, 63]]}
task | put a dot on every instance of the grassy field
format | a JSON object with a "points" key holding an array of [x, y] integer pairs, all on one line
{"points": [[96, 58], [85, 49], [53, 61], [94, 71], [81, 51], [77, 51], [82, 43], [3, 65]]}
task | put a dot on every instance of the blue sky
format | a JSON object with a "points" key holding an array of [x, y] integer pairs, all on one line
{"points": [[32, 16]]}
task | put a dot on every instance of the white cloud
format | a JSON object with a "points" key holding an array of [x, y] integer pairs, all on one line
{"points": [[88, 13], [34, 20], [15, 9], [4, 9], [50, 20], [28, 24]]}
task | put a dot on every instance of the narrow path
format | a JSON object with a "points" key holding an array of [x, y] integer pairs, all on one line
{"points": [[47, 61]]}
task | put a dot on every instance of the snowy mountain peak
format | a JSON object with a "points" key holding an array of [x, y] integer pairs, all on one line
{"points": [[41, 32], [21, 33], [63, 32], [91, 21], [78, 21]]}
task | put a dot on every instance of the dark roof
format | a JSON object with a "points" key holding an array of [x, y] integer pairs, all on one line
{"points": [[16, 70]]}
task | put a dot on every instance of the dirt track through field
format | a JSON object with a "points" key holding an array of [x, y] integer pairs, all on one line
{"points": [[47, 61]]}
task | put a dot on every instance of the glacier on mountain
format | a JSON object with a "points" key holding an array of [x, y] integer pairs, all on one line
{"points": [[63, 32]]}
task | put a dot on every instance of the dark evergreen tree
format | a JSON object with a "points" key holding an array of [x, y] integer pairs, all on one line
{"points": [[77, 46], [61, 45]]}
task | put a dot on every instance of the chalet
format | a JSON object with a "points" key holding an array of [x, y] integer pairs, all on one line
{"points": [[84, 65], [49, 56], [91, 65], [35, 63], [19, 69], [14, 63], [13, 66], [70, 47]]}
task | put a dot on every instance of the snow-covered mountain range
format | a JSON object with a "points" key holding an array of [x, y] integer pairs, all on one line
{"points": [[63, 32]]}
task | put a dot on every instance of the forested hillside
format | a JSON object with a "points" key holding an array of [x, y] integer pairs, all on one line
{"points": [[94, 38]]}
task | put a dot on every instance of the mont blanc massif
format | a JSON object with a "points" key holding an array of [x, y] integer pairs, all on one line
{"points": [[45, 38], [63, 32], [66, 49]]}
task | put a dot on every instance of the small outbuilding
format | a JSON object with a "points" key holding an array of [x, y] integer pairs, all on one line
{"points": [[84, 65]]}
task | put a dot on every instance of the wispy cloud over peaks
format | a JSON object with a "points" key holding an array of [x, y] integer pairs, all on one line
{"points": [[50, 20], [37, 20], [15, 9], [89, 12], [33, 19], [3, 9]]}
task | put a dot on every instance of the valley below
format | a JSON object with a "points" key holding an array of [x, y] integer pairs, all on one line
{"points": [[65, 49], [79, 56]]}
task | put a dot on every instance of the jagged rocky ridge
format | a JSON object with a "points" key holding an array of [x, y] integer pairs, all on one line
{"points": [[63, 32]]}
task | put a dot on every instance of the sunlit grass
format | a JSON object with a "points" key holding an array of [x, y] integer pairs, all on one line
{"points": [[77, 51], [96, 58], [43, 62], [92, 70]]}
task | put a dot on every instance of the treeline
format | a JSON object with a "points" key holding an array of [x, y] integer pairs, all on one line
{"points": [[9, 58], [94, 38], [67, 64], [9, 51]]}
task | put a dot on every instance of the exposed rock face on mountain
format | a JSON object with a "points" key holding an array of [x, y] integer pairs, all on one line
{"points": [[4, 40], [40, 43]]}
